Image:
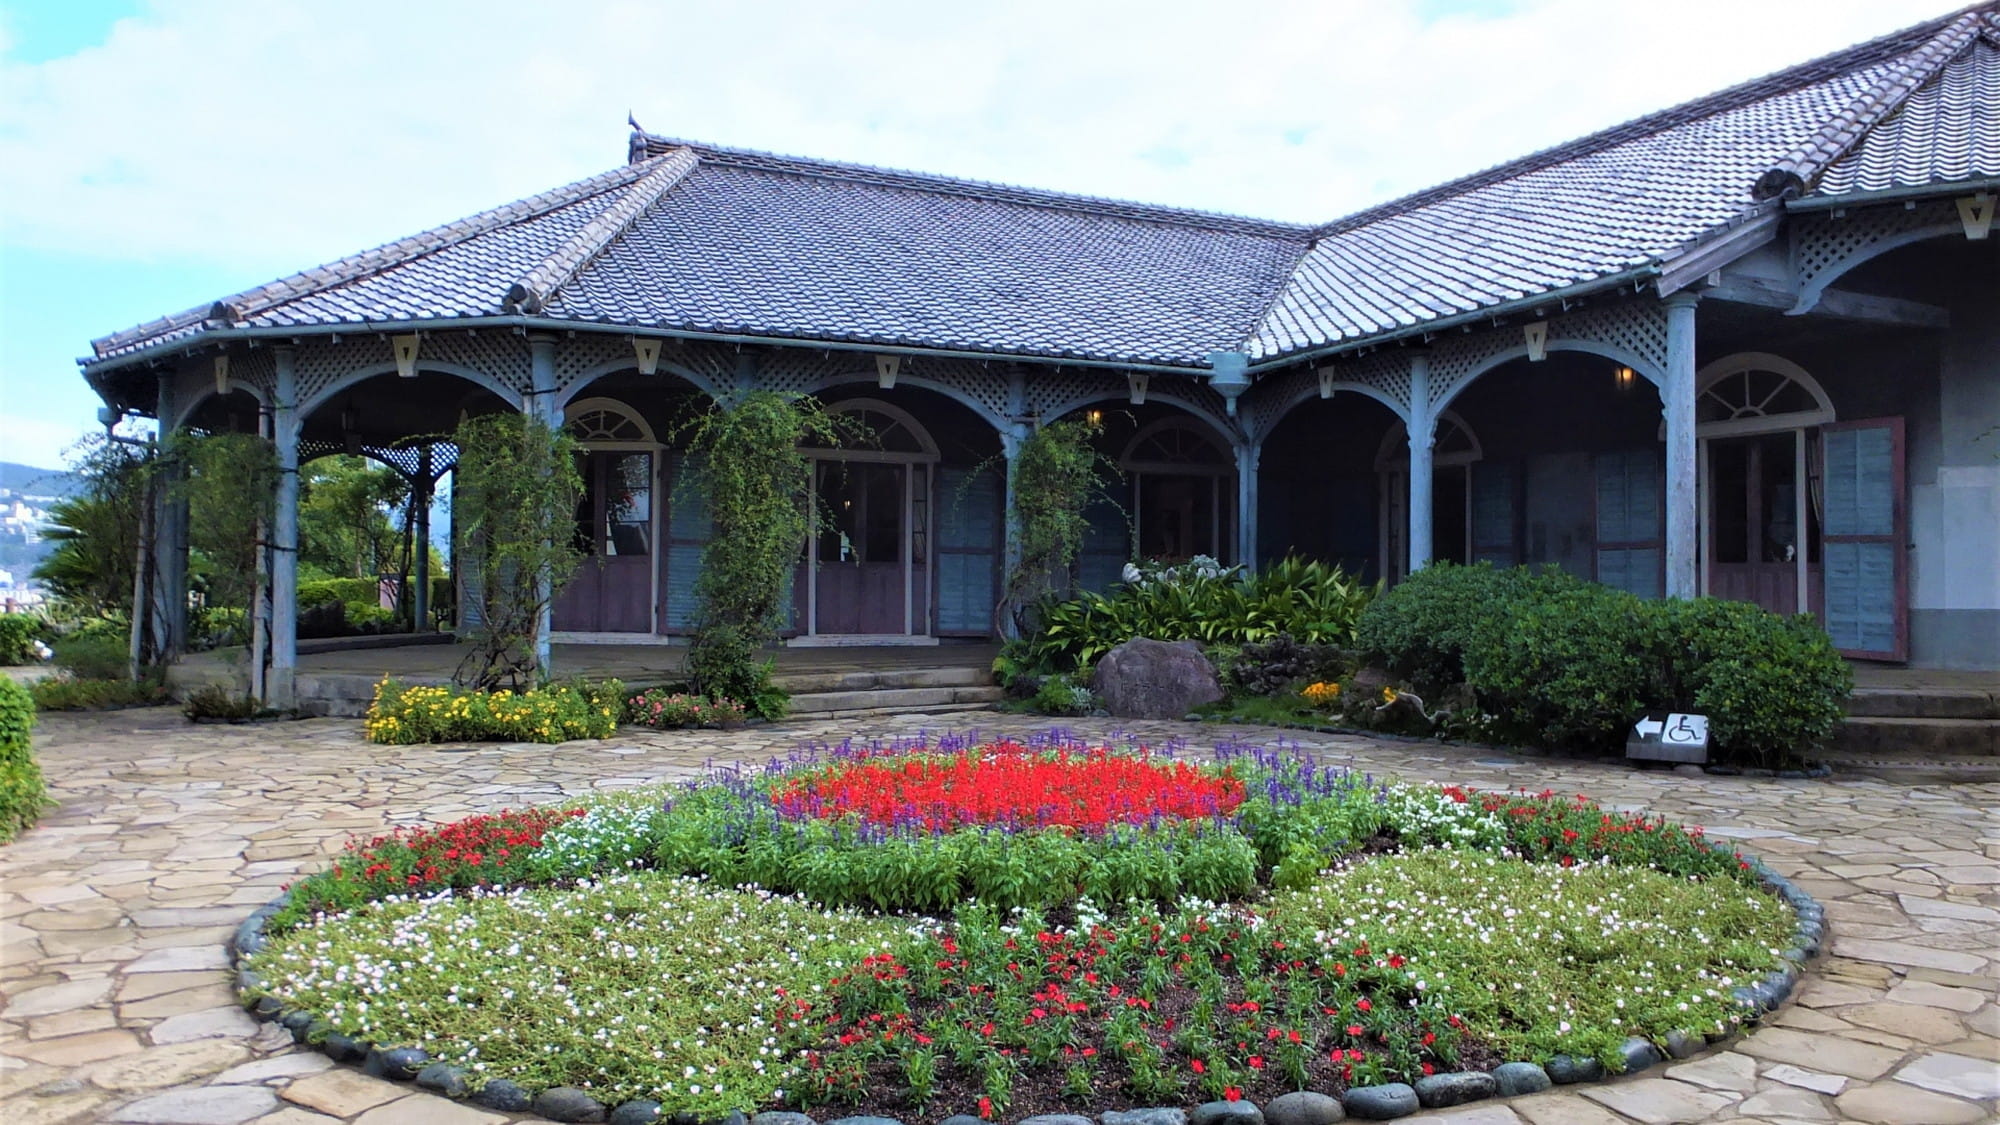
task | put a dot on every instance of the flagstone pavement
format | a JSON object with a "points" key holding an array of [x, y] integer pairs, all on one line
{"points": [[113, 914]]}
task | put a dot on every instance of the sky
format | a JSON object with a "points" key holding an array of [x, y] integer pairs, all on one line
{"points": [[159, 154]]}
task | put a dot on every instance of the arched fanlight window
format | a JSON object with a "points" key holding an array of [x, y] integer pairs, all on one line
{"points": [[893, 430], [1754, 391], [602, 420]]}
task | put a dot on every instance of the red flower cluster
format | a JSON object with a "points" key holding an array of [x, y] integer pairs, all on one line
{"points": [[1008, 785], [476, 850]]}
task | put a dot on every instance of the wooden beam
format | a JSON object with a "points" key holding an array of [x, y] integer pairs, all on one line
{"points": [[1837, 304]]}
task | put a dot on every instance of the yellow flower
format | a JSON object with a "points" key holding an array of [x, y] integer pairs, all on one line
{"points": [[1388, 694]]}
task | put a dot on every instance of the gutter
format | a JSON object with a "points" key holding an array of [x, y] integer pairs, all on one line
{"points": [[93, 368], [1491, 312], [1924, 192]]}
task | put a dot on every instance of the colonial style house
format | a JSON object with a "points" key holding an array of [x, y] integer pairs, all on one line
{"points": [[1748, 346]]}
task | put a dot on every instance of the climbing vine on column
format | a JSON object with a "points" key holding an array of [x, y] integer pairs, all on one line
{"points": [[518, 490], [1058, 473], [746, 457]]}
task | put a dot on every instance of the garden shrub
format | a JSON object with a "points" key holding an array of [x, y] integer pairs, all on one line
{"points": [[1420, 629], [23, 796], [670, 710], [1284, 662], [406, 714], [215, 702], [67, 693], [95, 655], [1771, 686], [323, 590], [18, 634], [1063, 695], [1568, 665]]}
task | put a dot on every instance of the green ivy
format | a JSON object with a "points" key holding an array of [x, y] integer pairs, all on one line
{"points": [[518, 489], [1058, 472], [747, 456]]}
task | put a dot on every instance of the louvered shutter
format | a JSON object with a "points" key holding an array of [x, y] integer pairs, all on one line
{"points": [[1863, 533], [1493, 491], [969, 542], [1630, 512], [688, 531]]}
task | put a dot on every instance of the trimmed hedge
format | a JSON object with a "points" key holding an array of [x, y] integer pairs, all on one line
{"points": [[1561, 662], [18, 632], [23, 796]]}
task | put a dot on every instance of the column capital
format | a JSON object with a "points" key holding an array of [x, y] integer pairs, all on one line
{"points": [[1682, 299]]}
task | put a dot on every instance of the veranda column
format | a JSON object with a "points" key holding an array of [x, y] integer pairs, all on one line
{"points": [[541, 405], [1011, 440], [420, 563], [1248, 454], [281, 688], [170, 536], [1423, 431], [1677, 404]]}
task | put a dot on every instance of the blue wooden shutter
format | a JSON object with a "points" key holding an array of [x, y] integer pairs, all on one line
{"points": [[1493, 513], [1107, 546], [1867, 584], [1631, 505], [688, 531], [969, 535]]}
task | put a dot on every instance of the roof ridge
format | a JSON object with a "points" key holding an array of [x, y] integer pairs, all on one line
{"points": [[990, 190], [356, 266], [1790, 176], [1708, 105], [532, 292]]}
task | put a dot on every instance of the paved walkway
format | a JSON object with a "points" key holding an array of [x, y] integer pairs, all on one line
{"points": [[113, 913]]}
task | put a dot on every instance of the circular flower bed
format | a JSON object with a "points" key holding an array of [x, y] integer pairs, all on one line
{"points": [[1009, 929]]}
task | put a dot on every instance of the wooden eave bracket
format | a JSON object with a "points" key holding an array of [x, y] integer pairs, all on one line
{"points": [[1976, 212], [405, 347], [887, 368], [1536, 336]]}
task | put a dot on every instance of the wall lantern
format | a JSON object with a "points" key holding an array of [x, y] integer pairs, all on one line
{"points": [[1624, 378]]}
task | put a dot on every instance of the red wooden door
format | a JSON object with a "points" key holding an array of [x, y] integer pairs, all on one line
{"points": [[612, 590], [862, 577]]}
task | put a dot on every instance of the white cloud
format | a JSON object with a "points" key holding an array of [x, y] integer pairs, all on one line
{"points": [[278, 135]]}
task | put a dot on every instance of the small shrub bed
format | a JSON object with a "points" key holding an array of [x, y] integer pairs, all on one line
{"points": [[1541, 658], [19, 633], [23, 796], [662, 709], [1270, 923], [403, 714], [69, 693]]}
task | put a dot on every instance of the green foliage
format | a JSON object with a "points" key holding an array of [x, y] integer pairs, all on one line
{"points": [[68, 693], [217, 703], [230, 486], [345, 526], [402, 715], [96, 531], [1311, 602], [18, 634], [518, 488], [1561, 662], [748, 459], [1058, 473], [1062, 694], [324, 590], [662, 709], [23, 796], [97, 655]]}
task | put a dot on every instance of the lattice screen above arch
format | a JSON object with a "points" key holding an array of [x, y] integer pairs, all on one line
{"points": [[1824, 246]]}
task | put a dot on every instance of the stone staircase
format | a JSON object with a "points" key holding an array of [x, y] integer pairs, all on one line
{"points": [[1902, 718], [854, 693]]}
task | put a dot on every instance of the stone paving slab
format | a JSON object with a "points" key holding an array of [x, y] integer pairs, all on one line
{"points": [[113, 912]]}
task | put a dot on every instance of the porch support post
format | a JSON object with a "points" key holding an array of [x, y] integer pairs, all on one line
{"points": [[281, 688], [170, 565], [1423, 431], [1248, 454], [420, 562], [542, 406], [1011, 439], [1677, 404]]}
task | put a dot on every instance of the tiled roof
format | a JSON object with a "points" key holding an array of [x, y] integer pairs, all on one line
{"points": [[698, 238], [1946, 130]]}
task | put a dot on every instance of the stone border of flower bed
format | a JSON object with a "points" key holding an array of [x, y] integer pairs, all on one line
{"points": [[1375, 1103]]}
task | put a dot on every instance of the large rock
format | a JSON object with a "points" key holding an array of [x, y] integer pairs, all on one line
{"points": [[1148, 679]]}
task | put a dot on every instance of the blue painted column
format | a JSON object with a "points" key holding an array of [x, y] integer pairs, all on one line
{"points": [[420, 566], [170, 527], [1012, 438], [541, 405], [1423, 431], [1248, 453], [281, 688], [1677, 400]]}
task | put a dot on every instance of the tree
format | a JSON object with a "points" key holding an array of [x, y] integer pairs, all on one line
{"points": [[518, 489], [230, 487], [347, 524], [96, 531]]}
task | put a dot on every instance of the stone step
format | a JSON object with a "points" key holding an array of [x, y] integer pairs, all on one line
{"points": [[1878, 737], [817, 682], [1925, 703], [895, 699], [872, 712]]}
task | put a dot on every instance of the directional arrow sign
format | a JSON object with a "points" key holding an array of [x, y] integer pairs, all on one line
{"points": [[1649, 727]]}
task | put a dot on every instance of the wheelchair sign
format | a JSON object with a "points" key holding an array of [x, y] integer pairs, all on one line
{"points": [[1676, 738]]}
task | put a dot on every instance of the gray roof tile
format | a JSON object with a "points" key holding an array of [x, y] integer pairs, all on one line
{"points": [[1946, 130]]}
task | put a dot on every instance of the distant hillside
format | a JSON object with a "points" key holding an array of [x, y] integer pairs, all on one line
{"points": [[34, 482]]}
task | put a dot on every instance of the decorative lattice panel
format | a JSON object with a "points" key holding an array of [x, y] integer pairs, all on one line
{"points": [[1633, 331], [1386, 373], [407, 460], [325, 368], [1823, 247]]}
